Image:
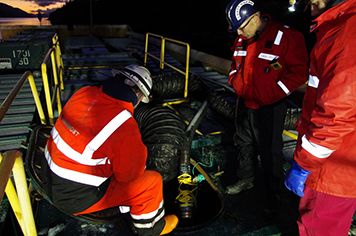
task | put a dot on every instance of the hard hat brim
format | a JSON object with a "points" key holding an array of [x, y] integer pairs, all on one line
{"points": [[145, 99]]}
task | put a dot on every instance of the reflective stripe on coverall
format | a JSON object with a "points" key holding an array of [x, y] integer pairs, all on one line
{"points": [[97, 139]]}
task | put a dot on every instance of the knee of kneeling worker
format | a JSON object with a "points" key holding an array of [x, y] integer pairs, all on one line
{"points": [[154, 177]]}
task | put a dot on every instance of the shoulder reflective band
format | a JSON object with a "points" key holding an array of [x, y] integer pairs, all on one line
{"points": [[105, 133], [278, 38], [85, 158]]}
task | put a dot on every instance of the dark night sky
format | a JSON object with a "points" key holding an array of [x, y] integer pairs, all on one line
{"points": [[201, 23]]}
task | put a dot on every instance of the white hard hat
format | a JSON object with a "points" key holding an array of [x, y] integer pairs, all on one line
{"points": [[139, 76]]}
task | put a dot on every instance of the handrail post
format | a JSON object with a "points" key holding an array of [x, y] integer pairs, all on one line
{"points": [[36, 97], [46, 86], [163, 45], [56, 91], [59, 60], [161, 59], [186, 71], [15, 204], [146, 50], [20, 201], [6, 164], [23, 195], [47, 93]]}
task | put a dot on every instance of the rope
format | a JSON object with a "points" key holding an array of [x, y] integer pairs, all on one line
{"points": [[186, 196]]}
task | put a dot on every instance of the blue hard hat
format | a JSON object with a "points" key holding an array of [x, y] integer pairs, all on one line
{"points": [[237, 11]]}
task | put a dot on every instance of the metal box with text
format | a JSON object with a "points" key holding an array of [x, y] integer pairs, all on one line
{"points": [[24, 51]]}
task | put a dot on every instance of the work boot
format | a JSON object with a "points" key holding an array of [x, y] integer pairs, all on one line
{"points": [[171, 222], [239, 186]]}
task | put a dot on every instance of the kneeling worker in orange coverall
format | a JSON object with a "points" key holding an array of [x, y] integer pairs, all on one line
{"points": [[96, 157]]}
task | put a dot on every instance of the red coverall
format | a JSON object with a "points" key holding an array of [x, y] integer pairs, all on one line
{"points": [[252, 74], [265, 69], [327, 145], [97, 160]]}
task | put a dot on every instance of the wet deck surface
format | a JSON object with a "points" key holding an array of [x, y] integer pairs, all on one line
{"points": [[248, 213]]}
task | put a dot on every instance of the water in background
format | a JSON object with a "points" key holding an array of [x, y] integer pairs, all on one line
{"points": [[23, 21]]}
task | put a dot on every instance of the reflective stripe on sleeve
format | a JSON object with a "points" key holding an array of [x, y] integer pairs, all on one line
{"points": [[278, 38], [315, 149], [85, 158], [283, 87], [313, 81], [72, 154], [240, 53], [73, 175], [232, 72]]}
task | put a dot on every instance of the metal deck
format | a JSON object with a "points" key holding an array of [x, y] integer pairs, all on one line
{"points": [[88, 60]]}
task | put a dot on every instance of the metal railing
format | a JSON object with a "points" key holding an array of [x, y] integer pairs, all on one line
{"points": [[4, 107], [18, 197], [56, 89], [290, 134], [161, 59], [12, 161], [55, 56], [59, 60]]}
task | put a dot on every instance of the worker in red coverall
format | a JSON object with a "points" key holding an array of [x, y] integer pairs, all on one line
{"points": [[324, 171], [96, 158], [269, 62]]}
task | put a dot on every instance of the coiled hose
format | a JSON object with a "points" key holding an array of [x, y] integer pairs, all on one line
{"points": [[171, 85], [163, 132]]}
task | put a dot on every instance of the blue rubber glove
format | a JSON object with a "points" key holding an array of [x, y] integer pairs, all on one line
{"points": [[295, 179]]}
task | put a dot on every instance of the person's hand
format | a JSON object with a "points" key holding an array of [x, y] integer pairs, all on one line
{"points": [[295, 179]]}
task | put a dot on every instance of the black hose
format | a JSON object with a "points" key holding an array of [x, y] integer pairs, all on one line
{"points": [[171, 85], [163, 133], [222, 105]]}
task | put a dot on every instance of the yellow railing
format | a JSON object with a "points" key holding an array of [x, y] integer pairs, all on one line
{"points": [[18, 197], [59, 60], [12, 160], [56, 88], [290, 134], [4, 107], [161, 59]]}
